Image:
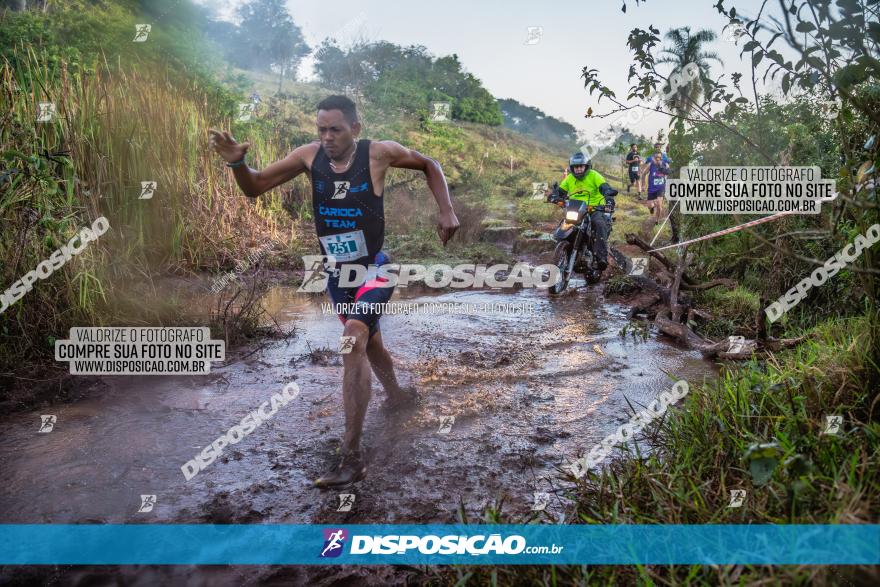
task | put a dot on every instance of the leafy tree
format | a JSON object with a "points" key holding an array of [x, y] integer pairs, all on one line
{"points": [[336, 70], [406, 78], [272, 38], [687, 48]]}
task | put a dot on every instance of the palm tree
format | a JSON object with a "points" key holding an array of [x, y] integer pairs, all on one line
{"points": [[688, 48]]}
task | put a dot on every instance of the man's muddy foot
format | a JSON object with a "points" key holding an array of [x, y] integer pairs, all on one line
{"points": [[351, 469], [409, 398]]}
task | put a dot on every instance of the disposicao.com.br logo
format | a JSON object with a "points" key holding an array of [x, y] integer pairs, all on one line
{"points": [[334, 541], [450, 544], [319, 268]]}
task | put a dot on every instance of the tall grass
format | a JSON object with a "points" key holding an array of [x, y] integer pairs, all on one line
{"points": [[116, 127]]}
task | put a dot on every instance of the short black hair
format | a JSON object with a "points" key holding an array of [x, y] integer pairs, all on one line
{"points": [[632, 144], [341, 103]]}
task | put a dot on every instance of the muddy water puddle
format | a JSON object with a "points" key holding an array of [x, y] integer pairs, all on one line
{"points": [[528, 393]]}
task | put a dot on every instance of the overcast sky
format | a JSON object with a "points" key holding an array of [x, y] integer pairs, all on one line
{"points": [[490, 40]]}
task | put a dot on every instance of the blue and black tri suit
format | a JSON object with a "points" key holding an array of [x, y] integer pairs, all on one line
{"points": [[350, 223]]}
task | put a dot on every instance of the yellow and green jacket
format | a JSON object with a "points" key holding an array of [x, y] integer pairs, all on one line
{"points": [[585, 189]]}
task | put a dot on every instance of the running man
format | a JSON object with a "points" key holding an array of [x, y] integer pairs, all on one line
{"points": [[658, 149], [633, 162], [348, 177], [656, 171]]}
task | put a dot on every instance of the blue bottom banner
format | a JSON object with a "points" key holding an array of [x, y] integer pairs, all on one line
{"points": [[292, 544]]}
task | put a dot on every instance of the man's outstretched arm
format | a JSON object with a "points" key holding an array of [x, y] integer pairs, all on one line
{"points": [[399, 156], [251, 181]]}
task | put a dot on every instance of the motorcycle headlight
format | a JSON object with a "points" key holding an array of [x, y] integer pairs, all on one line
{"points": [[571, 216]]}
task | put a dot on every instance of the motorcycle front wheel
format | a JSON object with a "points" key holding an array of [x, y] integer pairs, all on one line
{"points": [[562, 260]]}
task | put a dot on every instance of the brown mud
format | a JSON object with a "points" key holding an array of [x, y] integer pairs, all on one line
{"points": [[529, 393]]}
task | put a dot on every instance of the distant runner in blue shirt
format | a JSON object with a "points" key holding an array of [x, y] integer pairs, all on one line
{"points": [[656, 171], [658, 149]]}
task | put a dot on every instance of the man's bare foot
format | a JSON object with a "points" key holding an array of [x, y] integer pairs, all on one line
{"points": [[407, 398], [350, 470]]}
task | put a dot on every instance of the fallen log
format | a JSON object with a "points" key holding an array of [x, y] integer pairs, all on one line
{"points": [[695, 313], [721, 350], [751, 348], [668, 318], [644, 280], [644, 307], [683, 334], [687, 282], [778, 344]]}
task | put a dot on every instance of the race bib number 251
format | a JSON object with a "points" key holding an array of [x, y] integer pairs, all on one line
{"points": [[347, 246]]}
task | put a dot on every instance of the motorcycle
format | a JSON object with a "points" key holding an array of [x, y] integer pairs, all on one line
{"points": [[575, 239]]}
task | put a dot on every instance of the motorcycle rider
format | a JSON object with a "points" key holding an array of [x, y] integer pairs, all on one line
{"points": [[586, 184]]}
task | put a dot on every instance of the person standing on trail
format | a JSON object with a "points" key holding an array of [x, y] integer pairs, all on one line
{"points": [[633, 162], [348, 177], [656, 171]]}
